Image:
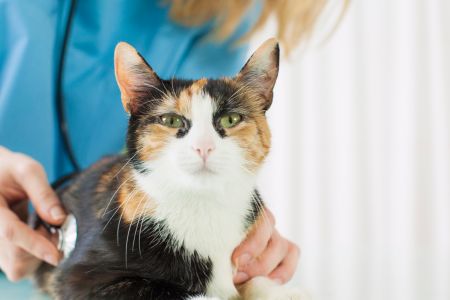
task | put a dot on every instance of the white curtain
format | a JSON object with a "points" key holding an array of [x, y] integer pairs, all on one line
{"points": [[359, 173]]}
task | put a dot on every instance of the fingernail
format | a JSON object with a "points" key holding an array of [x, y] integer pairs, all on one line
{"points": [[244, 259], [57, 213], [240, 277], [51, 260]]}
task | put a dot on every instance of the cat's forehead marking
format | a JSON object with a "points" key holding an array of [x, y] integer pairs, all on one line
{"points": [[202, 108], [198, 85], [184, 102]]}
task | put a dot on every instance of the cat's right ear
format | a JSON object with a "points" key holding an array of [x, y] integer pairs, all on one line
{"points": [[133, 75], [261, 70]]}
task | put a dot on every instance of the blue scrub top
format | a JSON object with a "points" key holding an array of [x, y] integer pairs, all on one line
{"points": [[31, 38]]}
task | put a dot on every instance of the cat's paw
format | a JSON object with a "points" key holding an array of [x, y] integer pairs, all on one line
{"points": [[262, 288]]}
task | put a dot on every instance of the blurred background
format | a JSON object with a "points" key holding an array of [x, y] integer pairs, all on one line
{"points": [[359, 174]]}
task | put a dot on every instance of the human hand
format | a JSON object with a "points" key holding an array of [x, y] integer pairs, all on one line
{"points": [[265, 253], [22, 248]]}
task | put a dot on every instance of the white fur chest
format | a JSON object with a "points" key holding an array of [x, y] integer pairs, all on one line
{"points": [[208, 221], [213, 231]]}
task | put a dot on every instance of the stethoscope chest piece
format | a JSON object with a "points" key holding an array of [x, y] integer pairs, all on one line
{"points": [[67, 235]]}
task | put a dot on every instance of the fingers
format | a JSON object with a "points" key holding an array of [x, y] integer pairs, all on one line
{"points": [[30, 175], [272, 256], [256, 241], [14, 231], [15, 262], [284, 272], [21, 248], [265, 253], [254, 245]]}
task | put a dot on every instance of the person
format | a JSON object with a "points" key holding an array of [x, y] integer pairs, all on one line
{"points": [[59, 108]]}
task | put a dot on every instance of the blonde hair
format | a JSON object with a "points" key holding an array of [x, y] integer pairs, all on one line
{"points": [[295, 18]]}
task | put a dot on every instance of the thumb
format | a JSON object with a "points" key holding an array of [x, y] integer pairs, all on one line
{"points": [[32, 178]]}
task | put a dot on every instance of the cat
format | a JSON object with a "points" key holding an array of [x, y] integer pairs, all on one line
{"points": [[162, 220]]}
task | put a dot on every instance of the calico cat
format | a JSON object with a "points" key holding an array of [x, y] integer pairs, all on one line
{"points": [[161, 222]]}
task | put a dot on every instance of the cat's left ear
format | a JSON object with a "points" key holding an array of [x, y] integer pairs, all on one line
{"points": [[133, 75], [261, 70]]}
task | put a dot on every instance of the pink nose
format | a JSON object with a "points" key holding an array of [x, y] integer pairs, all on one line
{"points": [[204, 150]]}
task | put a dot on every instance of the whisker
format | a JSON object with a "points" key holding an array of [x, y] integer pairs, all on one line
{"points": [[141, 215], [154, 87], [130, 196], [115, 193], [171, 83], [129, 229], [117, 209], [120, 170], [139, 237]]}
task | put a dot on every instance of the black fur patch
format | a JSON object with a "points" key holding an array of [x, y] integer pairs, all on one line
{"points": [[176, 86], [132, 147], [256, 208], [228, 98]]}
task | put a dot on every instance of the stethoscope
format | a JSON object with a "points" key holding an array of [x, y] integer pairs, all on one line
{"points": [[61, 115], [67, 232]]}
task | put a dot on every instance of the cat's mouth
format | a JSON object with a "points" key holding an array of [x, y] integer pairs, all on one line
{"points": [[204, 170]]}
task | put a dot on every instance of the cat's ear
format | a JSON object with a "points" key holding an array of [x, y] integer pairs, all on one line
{"points": [[133, 75], [261, 70]]}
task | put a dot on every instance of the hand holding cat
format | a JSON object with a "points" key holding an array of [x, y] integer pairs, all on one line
{"points": [[22, 248], [265, 253]]}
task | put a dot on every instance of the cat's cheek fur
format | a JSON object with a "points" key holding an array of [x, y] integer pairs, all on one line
{"points": [[150, 146], [254, 139]]}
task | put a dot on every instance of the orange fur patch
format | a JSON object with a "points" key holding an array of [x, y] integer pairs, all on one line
{"points": [[133, 202], [106, 178], [153, 139], [254, 137], [184, 103], [198, 85]]}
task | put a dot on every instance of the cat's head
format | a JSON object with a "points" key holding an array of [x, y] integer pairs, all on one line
{"points": [[198, 130]]}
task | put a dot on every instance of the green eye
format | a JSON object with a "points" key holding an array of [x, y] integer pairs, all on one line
{"points": [[230, 120], [172, 121]]}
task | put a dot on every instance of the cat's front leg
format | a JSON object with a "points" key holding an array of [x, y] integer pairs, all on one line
{"points": [[262, 288]]}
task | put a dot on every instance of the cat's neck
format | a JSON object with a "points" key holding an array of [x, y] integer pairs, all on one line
{"points": [[206, 219]]}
